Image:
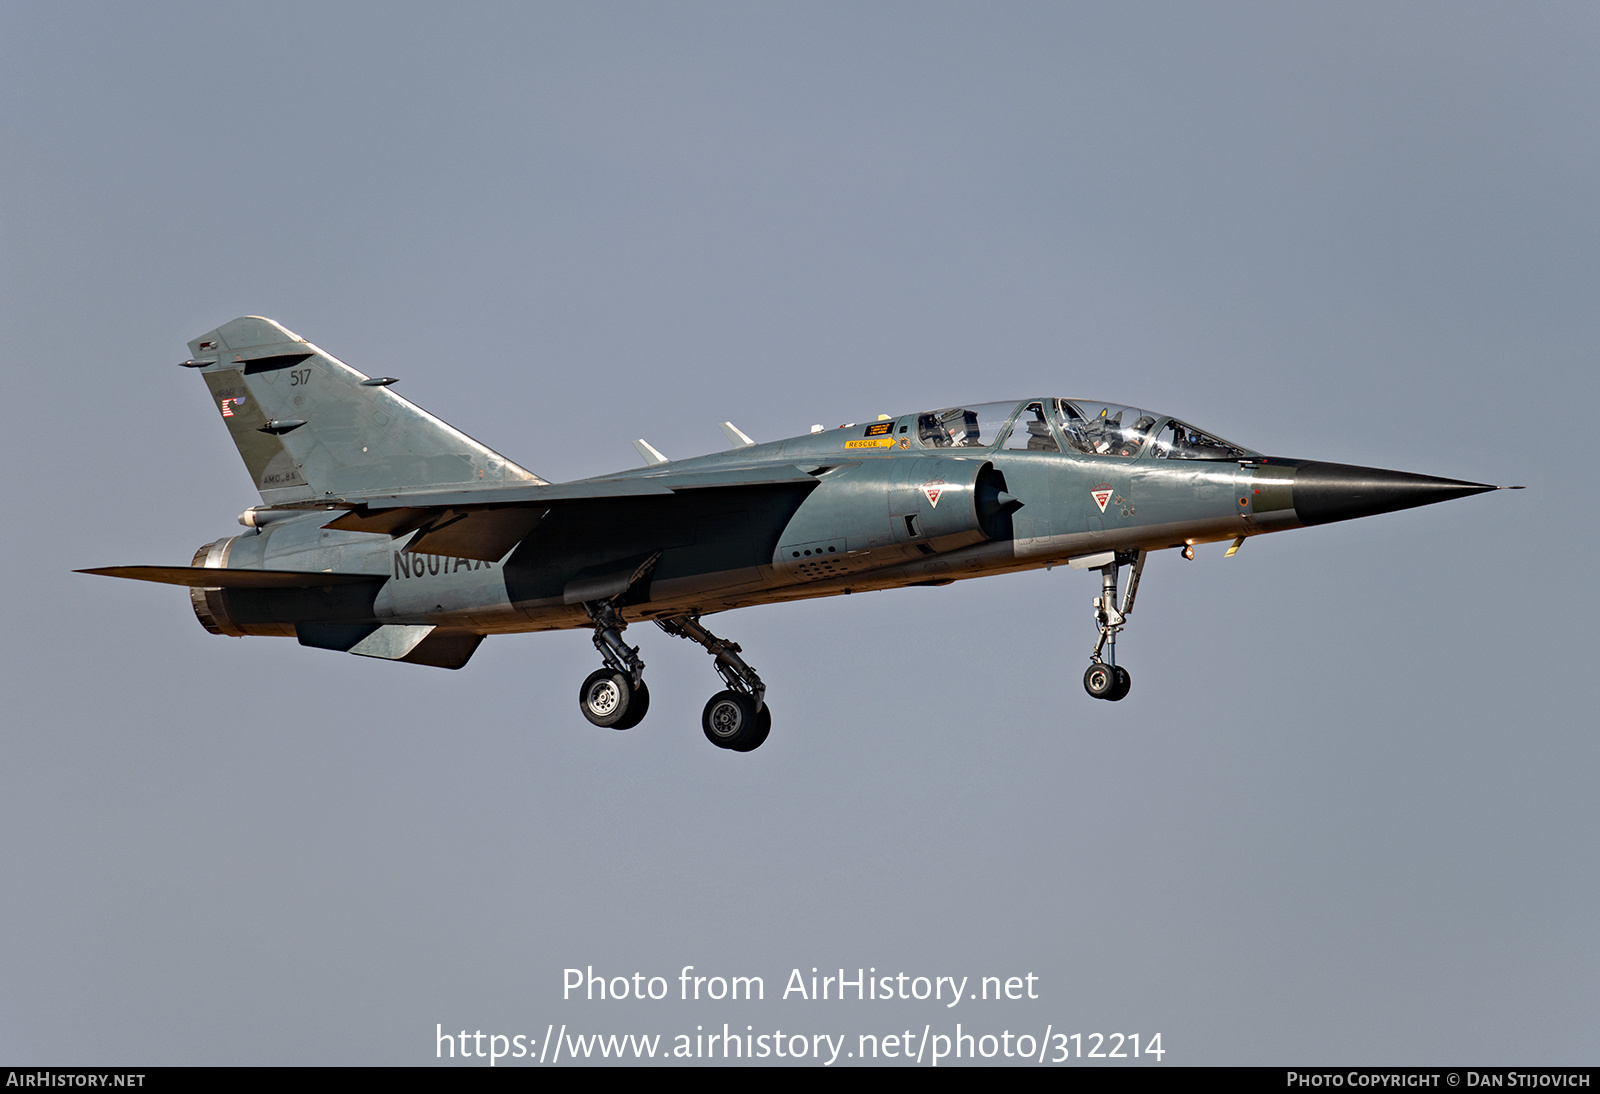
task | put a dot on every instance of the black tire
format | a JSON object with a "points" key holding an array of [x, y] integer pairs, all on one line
{"points": [[730, 721], [637, 709], [1124, 682], [763, 727], [1100, 681], [605, 698]]}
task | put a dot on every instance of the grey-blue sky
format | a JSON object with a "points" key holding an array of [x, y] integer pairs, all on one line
{"points": [[1345, 813]]}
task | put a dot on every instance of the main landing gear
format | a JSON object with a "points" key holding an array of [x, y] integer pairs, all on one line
{"points": [[1105, 679], [738, 718], [617, 697]]}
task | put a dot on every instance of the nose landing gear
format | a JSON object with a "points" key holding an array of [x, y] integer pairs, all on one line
{"points": [[1105, 679]]}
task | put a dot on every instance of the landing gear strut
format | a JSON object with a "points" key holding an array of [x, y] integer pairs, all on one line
{"points": [[1105, 679], [738, 718], [615, 696]]}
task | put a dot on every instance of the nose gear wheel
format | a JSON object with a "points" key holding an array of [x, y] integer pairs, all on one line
{"points": [[1100, 680]]}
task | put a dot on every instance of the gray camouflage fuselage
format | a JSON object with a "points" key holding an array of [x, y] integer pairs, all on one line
{"points": [[388, 533]]}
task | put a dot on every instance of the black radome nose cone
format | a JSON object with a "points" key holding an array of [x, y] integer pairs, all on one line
{"points": [[1326, 492]]}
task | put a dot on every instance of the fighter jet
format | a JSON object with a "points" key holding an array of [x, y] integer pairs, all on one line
{"points": [[386, 533]]}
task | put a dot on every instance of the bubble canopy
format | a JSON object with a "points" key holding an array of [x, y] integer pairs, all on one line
{"points": [[1084, 426]]}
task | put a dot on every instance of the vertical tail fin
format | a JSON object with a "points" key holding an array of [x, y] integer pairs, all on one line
{"points": [[311, 428]]}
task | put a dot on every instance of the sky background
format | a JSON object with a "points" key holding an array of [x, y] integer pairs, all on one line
{"points": [[1346, 815]]}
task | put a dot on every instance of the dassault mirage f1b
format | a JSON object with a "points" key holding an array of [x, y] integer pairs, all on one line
{"points": [[386, 533]]}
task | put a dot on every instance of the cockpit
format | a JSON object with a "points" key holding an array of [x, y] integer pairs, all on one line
{"points": [[1083, 426]]}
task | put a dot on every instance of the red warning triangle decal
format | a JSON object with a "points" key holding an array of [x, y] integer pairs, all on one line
{"points": [[934, 489], [1101, 495]]}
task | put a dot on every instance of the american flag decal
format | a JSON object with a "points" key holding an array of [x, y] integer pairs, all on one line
{"points": [[227, 408]]}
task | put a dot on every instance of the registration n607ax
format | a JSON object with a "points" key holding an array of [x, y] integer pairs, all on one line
{"points": [[384, 532]]}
